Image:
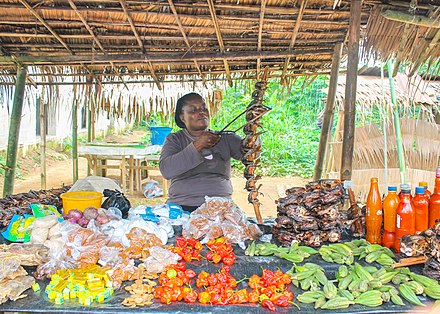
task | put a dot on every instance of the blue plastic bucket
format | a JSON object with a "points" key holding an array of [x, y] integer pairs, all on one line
{"points": [[158, 134]]}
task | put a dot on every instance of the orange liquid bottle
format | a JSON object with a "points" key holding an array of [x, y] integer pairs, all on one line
{"points": [[434, 201], [403, 186], [390, 204], [374, 213], [420, 204], [425, 185], [405, 218]]}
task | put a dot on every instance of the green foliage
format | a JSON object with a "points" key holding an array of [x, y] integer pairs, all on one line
{"points": [[291, 135]]}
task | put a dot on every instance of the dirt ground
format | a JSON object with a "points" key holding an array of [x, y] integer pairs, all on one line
{"points": [[59, 172]]}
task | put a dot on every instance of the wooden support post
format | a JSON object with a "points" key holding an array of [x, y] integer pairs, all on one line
{"points": [[328, 113], [400, 154], [75, 135], [350, 89], [89, 114], [42, 121], [14, 130]]}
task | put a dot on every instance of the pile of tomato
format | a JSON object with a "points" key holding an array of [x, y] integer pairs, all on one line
{"points": [[187, 248], [271, 288], [220, 251]]}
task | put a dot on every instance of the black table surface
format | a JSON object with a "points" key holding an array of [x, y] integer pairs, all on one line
{"points": [[243, 266]]}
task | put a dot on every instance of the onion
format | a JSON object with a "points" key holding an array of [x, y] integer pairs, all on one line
{"points": [[90, 213], [75, 213], [83, 222], [72, 220], [102, 219]]}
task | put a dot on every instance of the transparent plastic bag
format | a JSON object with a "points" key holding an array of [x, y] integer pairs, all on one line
{"points": [[159, 259], [110, 256], [8, 264]]}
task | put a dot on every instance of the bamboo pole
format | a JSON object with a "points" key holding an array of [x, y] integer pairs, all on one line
{"points": [[75, 135], [400, 154], [350, 89], [385, 137], [328, 113], [14, 131], [42, 121], [89, 115]]}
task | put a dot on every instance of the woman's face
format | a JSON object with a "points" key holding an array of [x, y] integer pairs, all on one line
{"points": [[195, 114]]}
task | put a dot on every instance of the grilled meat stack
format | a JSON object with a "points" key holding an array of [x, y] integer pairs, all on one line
{"points": [[309, 215], [251, 144]]}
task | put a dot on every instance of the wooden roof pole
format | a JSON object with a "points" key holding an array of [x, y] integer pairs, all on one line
{"points": [[350, 89], [219, 39], [14, 131], [419, 20], [293, 39], [140, 43], [402, 45], [185, 38], [326, 129], [73, 6], [260, 35]]}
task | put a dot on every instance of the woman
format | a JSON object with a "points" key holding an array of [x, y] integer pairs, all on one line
{"points": [[197, 160]]}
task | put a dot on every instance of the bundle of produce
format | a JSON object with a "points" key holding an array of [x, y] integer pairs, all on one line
{"points": [[310, 215], [219, 217], [19, 203]]}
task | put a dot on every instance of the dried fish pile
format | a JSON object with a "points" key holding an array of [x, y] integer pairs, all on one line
{"points": [[428, 244], [310, 215], [19, 203]]}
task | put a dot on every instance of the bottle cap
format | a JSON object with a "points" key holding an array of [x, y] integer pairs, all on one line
{"points": [[420, 190], [407, 190], [374, 179], [423, 183], [392, 188], [405, 186]]}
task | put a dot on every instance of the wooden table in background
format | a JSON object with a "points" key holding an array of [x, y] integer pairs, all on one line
{"points": [[130, 157]]}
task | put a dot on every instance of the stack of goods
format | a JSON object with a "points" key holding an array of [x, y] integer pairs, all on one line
{"points": [[310, 215], [220, 217], [19, 203], [428, 244], [251, 144]]}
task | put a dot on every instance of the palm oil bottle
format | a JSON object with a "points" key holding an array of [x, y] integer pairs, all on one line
{"points": [[425, 185], [405, 218], [374, 213], [390, 204], [434, 201], [421, 203]]}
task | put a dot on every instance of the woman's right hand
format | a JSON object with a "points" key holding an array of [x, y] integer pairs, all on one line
{"points": [[206, 140]]}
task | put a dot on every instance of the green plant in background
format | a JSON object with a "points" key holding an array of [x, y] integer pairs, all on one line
{"points": [[291, 138]]}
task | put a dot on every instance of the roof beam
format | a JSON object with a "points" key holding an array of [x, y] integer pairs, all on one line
{"points": [[293, 39], [219, 39], [95, 38], [185, 38], [100, 58], [42, 21], [260, 35], [50, 29], [140, 43]]}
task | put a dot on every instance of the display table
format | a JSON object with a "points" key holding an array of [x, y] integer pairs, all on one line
{"points": [[131, 158], [244, 266]]}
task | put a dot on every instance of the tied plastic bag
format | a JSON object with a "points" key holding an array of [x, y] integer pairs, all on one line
{"points": [[118, 200], [159, 259], [152, 189]]}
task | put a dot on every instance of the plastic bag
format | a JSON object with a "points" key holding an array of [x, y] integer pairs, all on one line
{"points": [[159, 259], [19, 228], [152, 189], [109, 256], [8, 264], [118, 200], [13, 289]]}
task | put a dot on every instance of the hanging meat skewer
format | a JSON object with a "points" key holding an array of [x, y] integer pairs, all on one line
{"points": [[251, 144]]}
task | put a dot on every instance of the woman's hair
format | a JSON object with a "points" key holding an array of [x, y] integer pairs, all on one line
{"points": [[180, 103]]}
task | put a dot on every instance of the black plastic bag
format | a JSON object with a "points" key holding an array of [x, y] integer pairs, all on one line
{"points": [[118, 200]]}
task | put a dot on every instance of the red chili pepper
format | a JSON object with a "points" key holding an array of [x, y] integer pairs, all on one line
{"points": [[190, 273], [181, 241], [282, 301], [228, 261], [191, 297], [180, 266], [209, 256], [269, 304]]}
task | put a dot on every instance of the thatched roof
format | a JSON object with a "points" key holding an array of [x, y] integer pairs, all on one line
{"points": [[373, 91], [164, 39]]}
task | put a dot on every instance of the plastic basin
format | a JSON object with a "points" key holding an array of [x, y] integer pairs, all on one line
{"points": [[80, 200], [158, 134]]}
